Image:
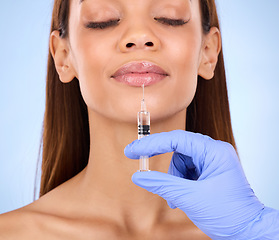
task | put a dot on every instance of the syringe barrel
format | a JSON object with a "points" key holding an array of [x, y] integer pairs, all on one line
{"points": [[143, 124], [144, 164], [143, 130]]}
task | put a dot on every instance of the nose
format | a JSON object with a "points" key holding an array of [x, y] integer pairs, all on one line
{"points": [[139, 38]]}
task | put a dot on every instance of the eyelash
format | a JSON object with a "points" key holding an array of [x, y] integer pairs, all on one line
{"points": [[102, 25], [111, 23], [171, 22]]}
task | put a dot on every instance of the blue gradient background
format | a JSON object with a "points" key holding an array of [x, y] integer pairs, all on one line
{"points": [[251, 51]]}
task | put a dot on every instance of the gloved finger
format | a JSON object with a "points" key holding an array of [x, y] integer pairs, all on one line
{"points": [[187, 143], [165, 185], [178, 140], [209, 156]]}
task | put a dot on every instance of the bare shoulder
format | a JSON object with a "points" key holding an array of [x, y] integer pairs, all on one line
{"points": [[37, 220], [16, 224], [41, 220], [46, 218], [7, 225], [28, 223]]}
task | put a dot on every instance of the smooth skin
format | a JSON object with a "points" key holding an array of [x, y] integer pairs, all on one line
{"points": [[102, 202]]}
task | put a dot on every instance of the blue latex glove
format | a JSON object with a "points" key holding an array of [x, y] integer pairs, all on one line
{"points": [[207, 182]]}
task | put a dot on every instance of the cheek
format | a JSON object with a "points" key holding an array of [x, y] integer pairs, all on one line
{"points": [[91, 58], [185, 57]]}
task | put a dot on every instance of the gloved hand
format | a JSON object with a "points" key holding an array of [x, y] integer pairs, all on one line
{"points": [[207, 182]]}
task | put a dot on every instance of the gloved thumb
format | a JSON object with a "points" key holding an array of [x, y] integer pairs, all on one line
{"points": [[165, 185]]}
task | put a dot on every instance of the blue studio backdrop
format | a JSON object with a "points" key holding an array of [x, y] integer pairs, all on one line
{"points": [[250, 44]]}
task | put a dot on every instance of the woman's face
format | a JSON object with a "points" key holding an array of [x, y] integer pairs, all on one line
{"points": [[136, 34]]}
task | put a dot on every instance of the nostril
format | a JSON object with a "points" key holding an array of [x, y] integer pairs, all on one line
{"points": [[128, 45], [149, 44]]}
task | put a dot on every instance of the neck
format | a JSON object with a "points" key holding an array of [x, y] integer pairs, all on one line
{"points": [[109, 171]]}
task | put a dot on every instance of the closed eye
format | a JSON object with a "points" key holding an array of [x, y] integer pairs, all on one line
{"points": [[111, 23], [102, 25], [171, 22]]}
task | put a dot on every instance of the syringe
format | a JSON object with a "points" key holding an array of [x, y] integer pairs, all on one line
{"points": [[143, 130]]}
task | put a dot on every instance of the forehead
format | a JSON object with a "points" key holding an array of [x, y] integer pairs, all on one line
{"points": [[82, 9], [79, 9], [80, 1], [170, 7], [134, 5]]}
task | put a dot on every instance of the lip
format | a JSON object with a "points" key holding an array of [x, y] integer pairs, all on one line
{"points": [[139, 73]]}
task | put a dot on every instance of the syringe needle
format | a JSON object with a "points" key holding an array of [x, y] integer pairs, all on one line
{"points": [[143, 92], [143, 105]]}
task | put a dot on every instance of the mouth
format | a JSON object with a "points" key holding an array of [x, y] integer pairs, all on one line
{"points": [[139, 73]]}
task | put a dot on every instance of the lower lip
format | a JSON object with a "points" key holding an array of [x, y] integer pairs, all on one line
{"points": [[138, 79]]}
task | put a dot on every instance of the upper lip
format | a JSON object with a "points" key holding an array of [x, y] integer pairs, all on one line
{"points": [[139, 67]]}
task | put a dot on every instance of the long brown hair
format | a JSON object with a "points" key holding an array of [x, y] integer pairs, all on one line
{"points": [[66, 138]]}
